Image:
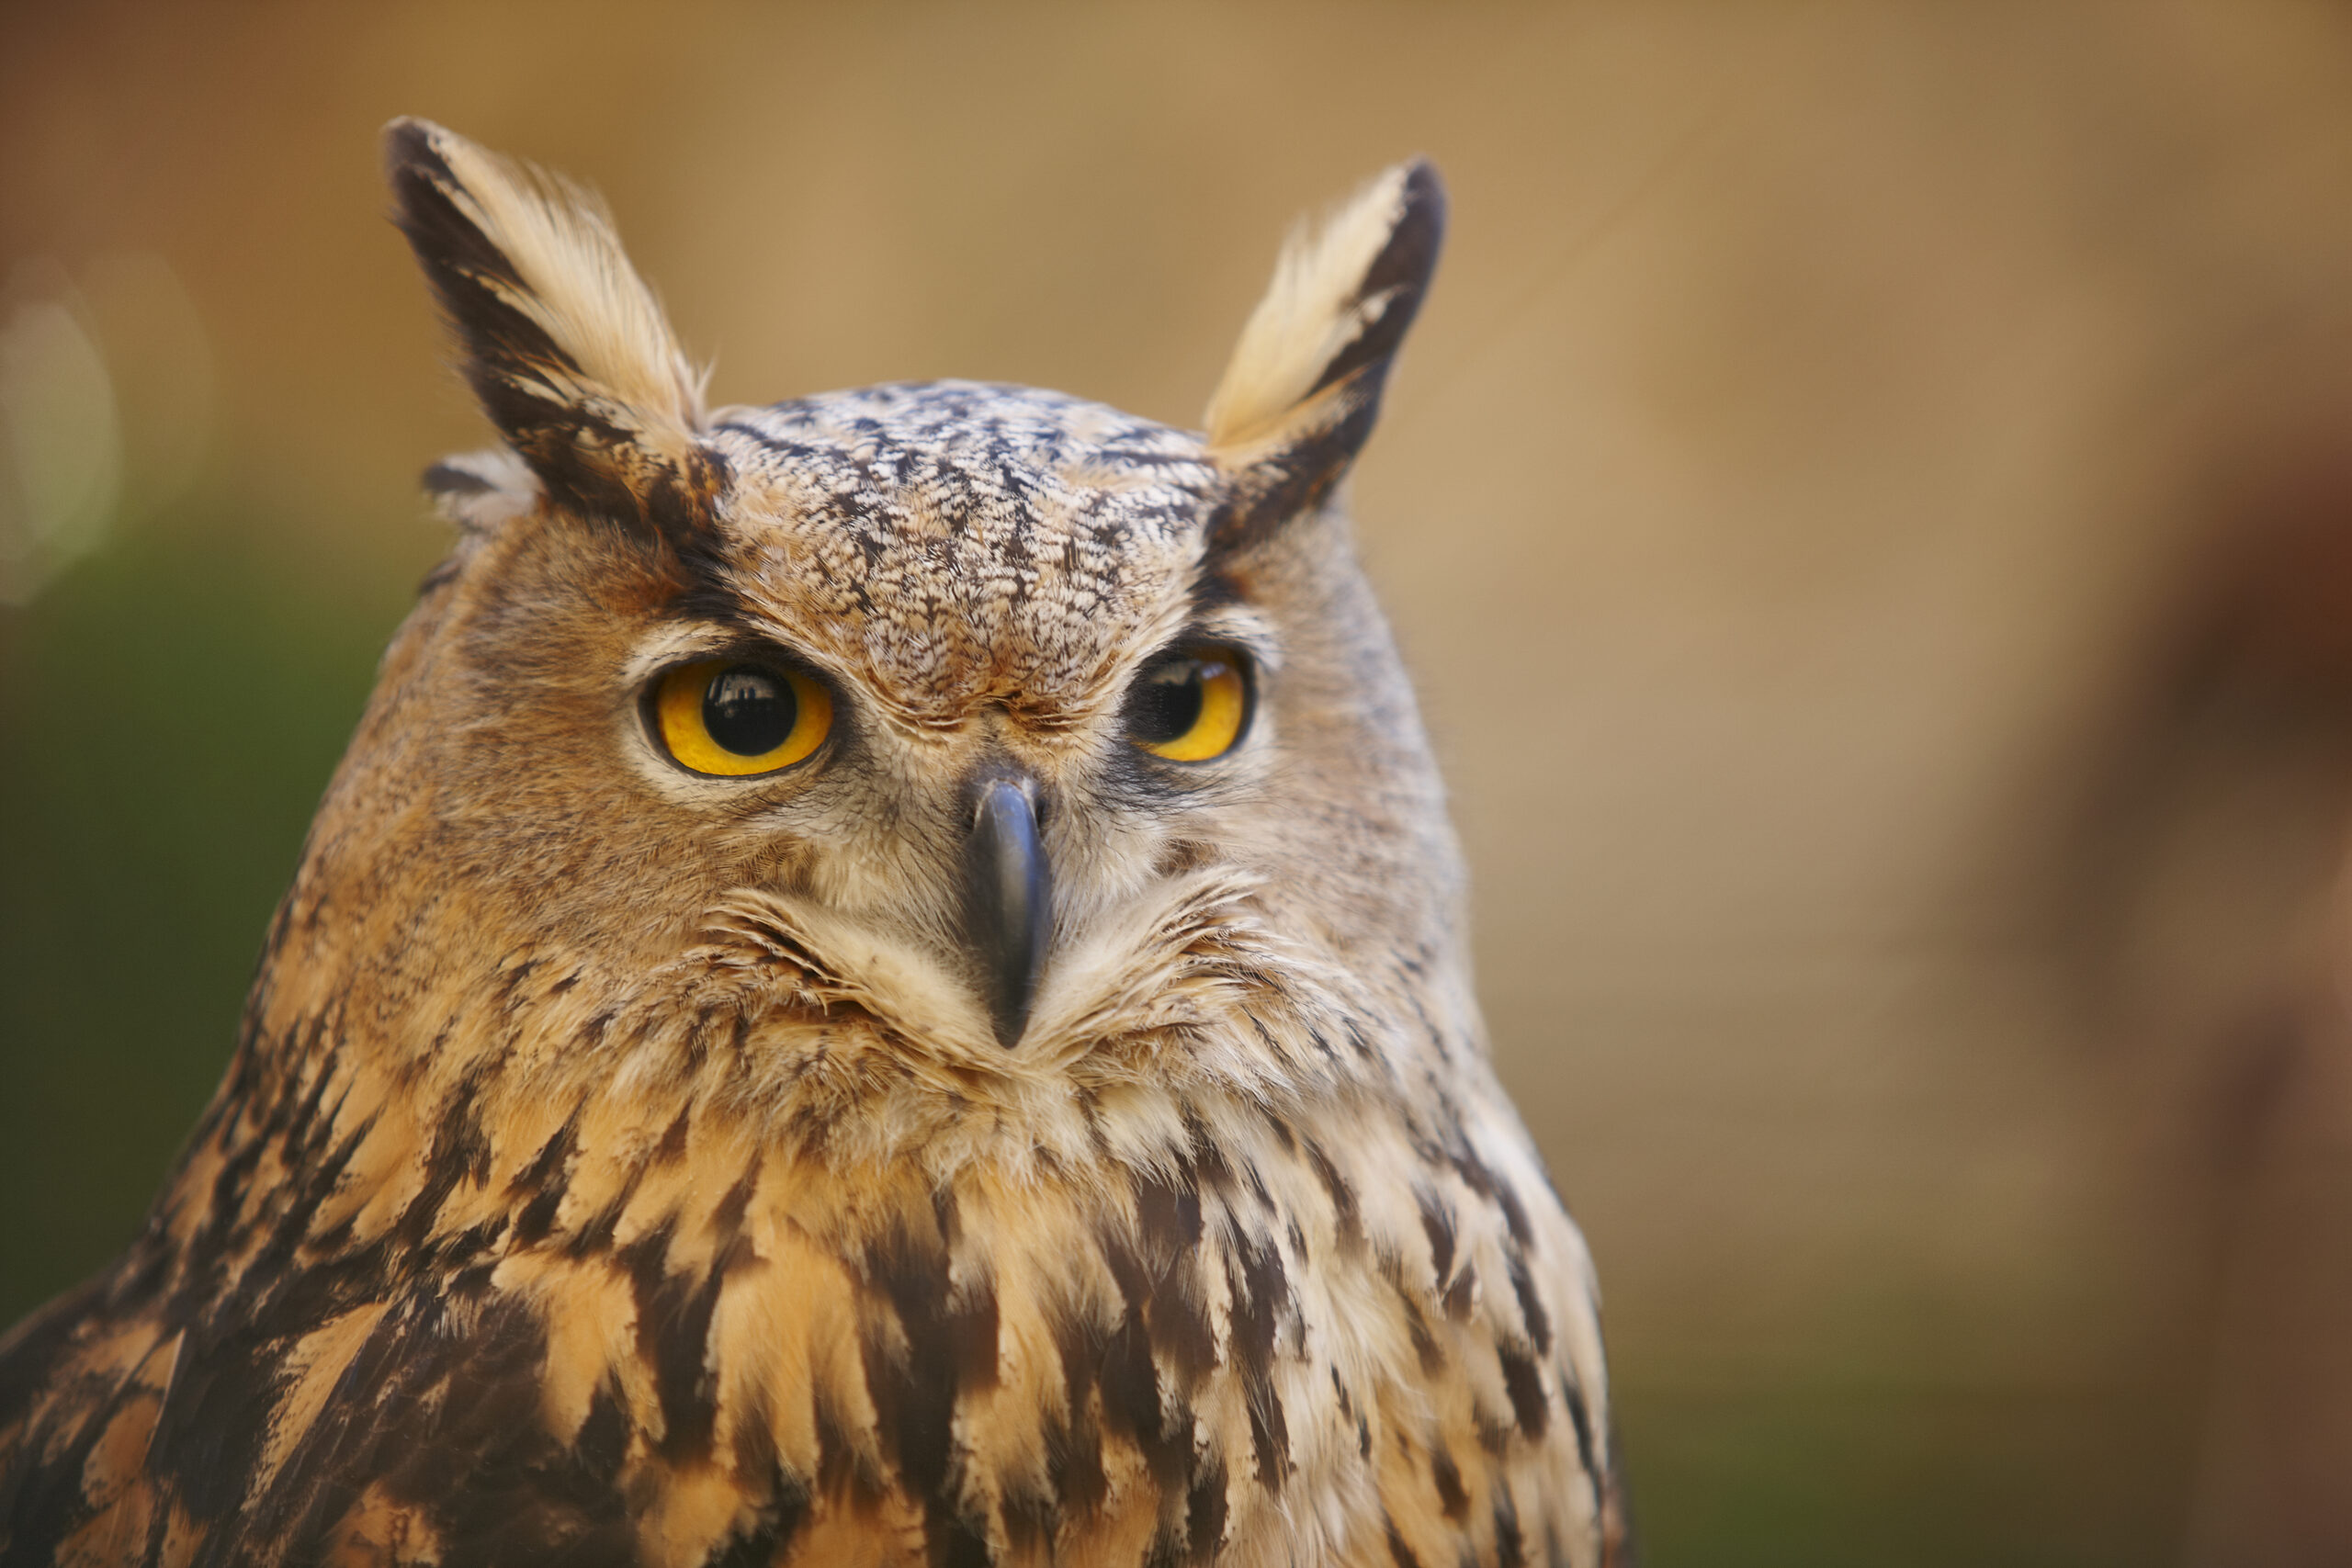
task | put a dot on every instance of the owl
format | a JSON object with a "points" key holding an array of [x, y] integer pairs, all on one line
{"points": [[883, 982]]}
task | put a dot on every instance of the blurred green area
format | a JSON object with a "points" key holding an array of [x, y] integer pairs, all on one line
{"points": [[170, 710]]}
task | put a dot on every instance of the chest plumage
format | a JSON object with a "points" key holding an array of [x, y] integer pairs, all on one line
{"points": [[882, 983]]}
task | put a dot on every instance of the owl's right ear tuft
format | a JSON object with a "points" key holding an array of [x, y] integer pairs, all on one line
{"points": [[563, 343], [1302, 391]]}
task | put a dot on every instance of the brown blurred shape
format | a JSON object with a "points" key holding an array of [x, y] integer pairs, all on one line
{"points": [[2203, 885]]}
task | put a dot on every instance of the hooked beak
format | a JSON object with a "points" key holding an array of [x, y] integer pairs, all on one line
{"points": [[1008, 903]]}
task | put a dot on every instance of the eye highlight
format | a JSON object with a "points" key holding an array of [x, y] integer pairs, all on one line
{"points": [[1190, 705], [733, 718]]}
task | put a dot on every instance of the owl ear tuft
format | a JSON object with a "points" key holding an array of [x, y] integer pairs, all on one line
{"points": [[1303, 388], [564, 344]]}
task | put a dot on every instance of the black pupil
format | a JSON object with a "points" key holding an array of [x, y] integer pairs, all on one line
{"points": [[750, 710], [1165, 703]]}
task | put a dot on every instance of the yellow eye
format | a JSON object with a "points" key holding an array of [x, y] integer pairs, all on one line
{"points": [[731, 718], [1192, 705]]}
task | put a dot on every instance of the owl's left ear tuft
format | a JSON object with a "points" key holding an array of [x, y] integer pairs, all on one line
{"points": [[564, 344], [1303, 388]]}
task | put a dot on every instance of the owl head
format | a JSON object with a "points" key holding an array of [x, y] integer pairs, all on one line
{"points": [[990, 722]]}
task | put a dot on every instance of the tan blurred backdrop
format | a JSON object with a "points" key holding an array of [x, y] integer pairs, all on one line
{"points": [[1868, 504]]}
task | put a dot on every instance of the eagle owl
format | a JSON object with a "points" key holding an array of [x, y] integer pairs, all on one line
{"points": [[883, 982]]}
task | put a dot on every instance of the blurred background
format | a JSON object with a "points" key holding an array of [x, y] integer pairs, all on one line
{"points": [[1869, 504]]}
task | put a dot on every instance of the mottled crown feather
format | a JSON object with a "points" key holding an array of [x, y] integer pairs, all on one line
{"points": [[1302, 390], [564, 344]]}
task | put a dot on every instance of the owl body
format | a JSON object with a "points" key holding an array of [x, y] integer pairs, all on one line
{"points": [[999, 1134]]}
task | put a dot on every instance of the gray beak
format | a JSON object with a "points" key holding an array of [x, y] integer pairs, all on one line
{"points": [[1008, 904]]}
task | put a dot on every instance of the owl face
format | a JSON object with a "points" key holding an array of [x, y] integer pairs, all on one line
{"points": [[961, 694], [1034, 686]]}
